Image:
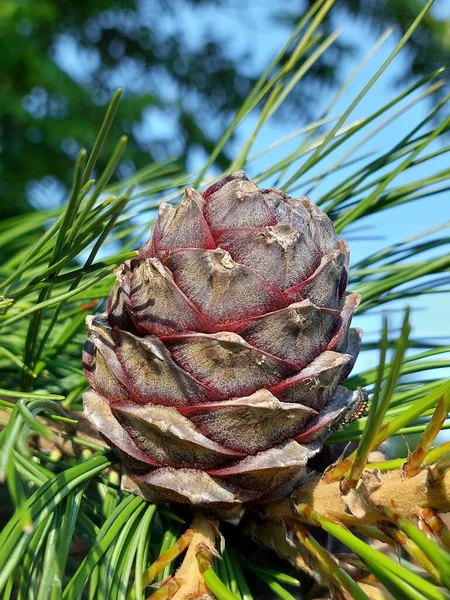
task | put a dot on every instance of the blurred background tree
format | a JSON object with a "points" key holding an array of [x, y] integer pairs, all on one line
{"points": [[61, 61]]}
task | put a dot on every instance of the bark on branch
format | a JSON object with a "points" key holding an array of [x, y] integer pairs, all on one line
{"points": [[428, 489]]}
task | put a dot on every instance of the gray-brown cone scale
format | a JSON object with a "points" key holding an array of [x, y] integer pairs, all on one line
{"points": [[215, 371]]}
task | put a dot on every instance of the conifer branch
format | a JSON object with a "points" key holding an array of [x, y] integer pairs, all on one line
{"points": [[376, 490]]}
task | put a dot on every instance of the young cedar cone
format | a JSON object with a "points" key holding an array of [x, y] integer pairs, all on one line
{"points": [[215, 370]]}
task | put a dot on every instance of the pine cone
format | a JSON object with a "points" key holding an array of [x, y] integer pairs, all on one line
{"points": [[215, 371]]}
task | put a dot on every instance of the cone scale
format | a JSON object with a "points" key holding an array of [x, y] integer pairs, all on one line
{"points": [[216, 370]]}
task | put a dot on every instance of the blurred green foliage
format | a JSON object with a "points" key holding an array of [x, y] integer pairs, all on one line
{"points": [[61, 60]]}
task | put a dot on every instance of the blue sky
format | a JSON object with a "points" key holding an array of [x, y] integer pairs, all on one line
{"points": [[265, 37], [251, 27]]}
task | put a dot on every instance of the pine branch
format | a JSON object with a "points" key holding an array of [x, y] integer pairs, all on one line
{"points": [[429, 489]]}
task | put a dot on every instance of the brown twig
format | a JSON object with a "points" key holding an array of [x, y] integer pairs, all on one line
{"points": [[204, 532], [407, 496]]}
